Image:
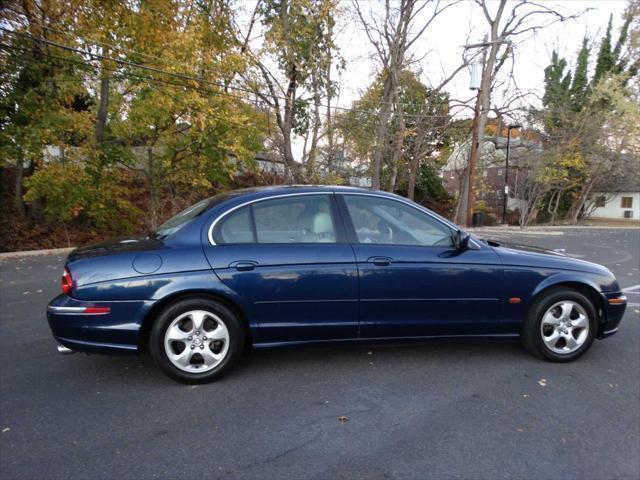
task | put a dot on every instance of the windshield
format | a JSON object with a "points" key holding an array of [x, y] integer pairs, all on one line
{"points": [[178, 221]]}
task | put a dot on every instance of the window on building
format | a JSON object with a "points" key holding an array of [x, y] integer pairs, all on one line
{"points": [[627, 202], [601, 200]]}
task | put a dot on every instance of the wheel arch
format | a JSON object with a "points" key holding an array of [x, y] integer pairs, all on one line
{"points": [[588, 289], [154, 311]]}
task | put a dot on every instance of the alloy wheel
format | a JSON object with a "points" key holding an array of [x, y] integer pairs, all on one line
{"points": [[565, 327], [196, 341]]}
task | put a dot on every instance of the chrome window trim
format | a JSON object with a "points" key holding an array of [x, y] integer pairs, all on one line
{"points": [[413, 205], [368, 194], [220, 217]]}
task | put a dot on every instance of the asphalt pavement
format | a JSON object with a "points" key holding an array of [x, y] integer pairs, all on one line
{"points": [[439, 410]]}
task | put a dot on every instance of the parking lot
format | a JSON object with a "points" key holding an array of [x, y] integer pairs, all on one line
{"points": [[437, 410]]}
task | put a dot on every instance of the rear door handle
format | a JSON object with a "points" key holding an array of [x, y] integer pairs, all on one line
{"points": [[243, 265], [379, 261]]}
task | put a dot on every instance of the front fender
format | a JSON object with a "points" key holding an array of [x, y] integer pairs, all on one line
{"points": [[567, 277]]}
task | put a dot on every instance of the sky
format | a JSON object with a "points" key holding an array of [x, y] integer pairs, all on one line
{"points": [[440, 49], [463, 23]]}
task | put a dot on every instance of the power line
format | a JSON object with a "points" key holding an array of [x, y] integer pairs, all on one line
{"points": [[134, 76], [162, 61], [203, 80]]}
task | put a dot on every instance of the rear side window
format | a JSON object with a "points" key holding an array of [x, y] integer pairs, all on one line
{"points": [[236, 228], [295, 219]]}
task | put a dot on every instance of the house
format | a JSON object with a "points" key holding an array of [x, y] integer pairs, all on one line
{"points": [[618, 196], [491, 169], [621, 203]]}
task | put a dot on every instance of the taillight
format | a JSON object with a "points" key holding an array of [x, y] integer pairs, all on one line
{"points": [[66, 282]]}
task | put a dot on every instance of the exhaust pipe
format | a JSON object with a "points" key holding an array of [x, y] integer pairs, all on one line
{"points": [[64, 350]]}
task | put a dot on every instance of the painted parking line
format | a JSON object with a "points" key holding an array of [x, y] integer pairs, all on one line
{"points": [[632, 289]]}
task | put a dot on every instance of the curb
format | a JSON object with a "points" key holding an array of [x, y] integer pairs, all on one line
{"points": [[33, 253], [550, 228]]}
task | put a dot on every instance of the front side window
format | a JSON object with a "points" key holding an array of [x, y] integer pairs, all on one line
{"points": [[627, 202], [384, 221], [295, 219]]}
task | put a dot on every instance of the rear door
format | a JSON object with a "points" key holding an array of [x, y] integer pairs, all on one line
{"points": [[289, 258], [413, 282]]}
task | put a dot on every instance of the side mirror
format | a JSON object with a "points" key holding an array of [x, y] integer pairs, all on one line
{"points": [[461, 240]]}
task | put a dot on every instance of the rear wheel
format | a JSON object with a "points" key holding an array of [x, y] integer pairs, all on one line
{"points": [[560, 326], [196, 340]]}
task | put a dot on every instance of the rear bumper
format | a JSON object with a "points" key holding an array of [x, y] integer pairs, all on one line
{"points": [[97, 327], [612, 314]]}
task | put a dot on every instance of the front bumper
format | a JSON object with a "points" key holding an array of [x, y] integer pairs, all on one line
{"points": [[97, 327], [612, 313]]}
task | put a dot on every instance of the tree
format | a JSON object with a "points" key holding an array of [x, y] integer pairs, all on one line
{"points": [[583, 121], [299, 41], [392, 34], [505, 27], [418, 120], [580, 85], [97, 81], [42, 98]]}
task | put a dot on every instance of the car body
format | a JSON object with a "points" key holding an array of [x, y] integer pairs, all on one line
{"points": [[317, 265]]}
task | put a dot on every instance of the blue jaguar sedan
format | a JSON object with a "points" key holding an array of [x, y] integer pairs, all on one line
{"points": [[320, 265]]}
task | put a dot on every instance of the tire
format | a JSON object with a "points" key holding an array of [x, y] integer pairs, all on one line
{"points": [[547, 330], [197, 340]]}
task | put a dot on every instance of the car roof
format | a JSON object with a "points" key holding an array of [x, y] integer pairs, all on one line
{"points": [[271, 189], [255, 193]]}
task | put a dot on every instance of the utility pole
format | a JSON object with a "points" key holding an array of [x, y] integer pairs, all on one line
{"points": [[479, 120], [506, 173]]}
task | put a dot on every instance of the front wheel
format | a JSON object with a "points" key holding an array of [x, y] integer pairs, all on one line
{"points": [[560, 326], [196, 340]]}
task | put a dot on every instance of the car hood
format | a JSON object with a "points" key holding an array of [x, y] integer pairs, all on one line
{"points": [[532, 256]]}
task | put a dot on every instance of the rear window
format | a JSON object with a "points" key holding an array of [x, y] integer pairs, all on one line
{"points": [[179, 220]]}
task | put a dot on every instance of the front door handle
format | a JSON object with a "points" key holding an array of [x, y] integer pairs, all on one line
{"points": [[243, 265], [380, 261]]}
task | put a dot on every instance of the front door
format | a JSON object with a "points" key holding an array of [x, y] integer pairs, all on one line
{"points": [[413, 282], [289, 259]]}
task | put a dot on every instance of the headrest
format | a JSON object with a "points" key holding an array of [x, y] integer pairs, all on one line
{"points": [[322, 223]]}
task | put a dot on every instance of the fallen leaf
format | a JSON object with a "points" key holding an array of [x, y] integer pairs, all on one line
{"points": [[5, 429], [519, 429], [343, 418], [542, 382], [369, 353], [525, 395]]}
